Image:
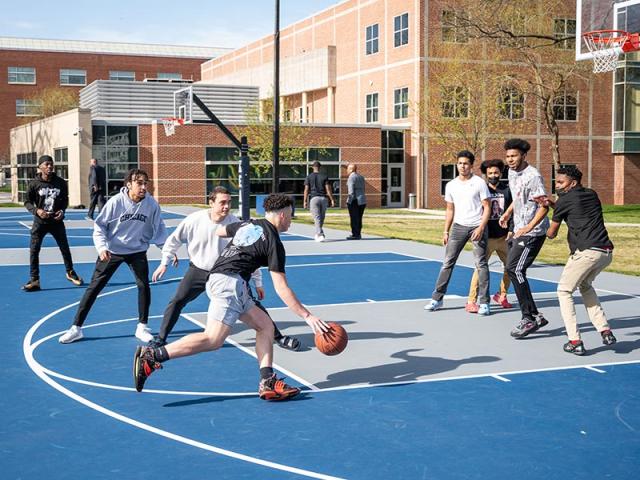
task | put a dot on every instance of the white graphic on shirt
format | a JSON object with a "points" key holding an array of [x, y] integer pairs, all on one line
{"points": [[50, 195], [247, 235]]}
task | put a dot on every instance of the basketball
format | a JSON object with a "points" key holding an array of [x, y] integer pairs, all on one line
{"points": [[334, 341]]}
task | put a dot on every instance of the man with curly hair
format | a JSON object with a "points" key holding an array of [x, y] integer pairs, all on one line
{"points": [[255, 244]]}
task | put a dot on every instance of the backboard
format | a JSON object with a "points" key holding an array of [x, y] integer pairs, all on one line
{"points": [[604, 15], [183, 104]]}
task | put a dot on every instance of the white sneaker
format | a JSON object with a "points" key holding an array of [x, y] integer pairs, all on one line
{"points": [[143, 333], [72, 335], [319, 237], [433, 305]]}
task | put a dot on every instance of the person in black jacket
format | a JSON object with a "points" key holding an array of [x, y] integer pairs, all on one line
{"points": [[47, 199], [97, 187]]}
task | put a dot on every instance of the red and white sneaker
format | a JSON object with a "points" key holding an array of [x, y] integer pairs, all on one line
{"points": [[503, 302], [144, 364], [471, 307]]}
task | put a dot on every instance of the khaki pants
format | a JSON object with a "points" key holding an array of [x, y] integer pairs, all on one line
{"points": [[579, 272], [498, 245]]}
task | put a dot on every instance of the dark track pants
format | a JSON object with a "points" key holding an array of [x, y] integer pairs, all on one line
{"points": [[104, 271], [59, 233], [97, 198], [355, 214], [522, 253]]}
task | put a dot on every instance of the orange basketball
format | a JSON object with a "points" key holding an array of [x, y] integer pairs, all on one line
{"points": [[334, 341]]}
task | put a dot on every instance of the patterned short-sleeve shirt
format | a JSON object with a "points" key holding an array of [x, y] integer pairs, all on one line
{"points": [[526, 185]]}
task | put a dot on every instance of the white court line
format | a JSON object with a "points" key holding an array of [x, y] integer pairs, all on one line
{"points": [[501, 378], [28, 350], [589, 367], [369, 300], [183, 215], [28, 227]]}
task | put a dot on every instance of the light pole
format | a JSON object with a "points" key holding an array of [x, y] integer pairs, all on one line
{"points": [[276, 103]]}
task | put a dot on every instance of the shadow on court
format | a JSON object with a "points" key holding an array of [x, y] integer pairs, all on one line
{"points": [[412, 367]]}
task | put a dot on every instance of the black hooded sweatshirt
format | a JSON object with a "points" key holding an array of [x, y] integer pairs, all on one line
{"points": [[50, 196]]}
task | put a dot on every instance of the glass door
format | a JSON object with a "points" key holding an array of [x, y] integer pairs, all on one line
{"points": [[395, 192]]}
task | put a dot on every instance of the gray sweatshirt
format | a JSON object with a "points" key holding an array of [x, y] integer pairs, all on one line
{"points": [[124, 226]]}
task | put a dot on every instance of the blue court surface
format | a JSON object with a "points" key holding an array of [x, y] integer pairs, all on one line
{"points": [[378, 412]]}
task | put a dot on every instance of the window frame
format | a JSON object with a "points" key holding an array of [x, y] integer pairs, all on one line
{"points": [[372, 41], [511, 90], [371, 110], [402, 105], [453, 33], [452, 99], [169, 76], [564, 106], [67, 73], [17, 73], [443, 180], [26, 104], [401, 33], [568, 43], [117, 73]]}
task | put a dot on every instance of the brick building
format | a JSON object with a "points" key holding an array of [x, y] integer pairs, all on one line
{"points": [[30, 65], [371, 62]]}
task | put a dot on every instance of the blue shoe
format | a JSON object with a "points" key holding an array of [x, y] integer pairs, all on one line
{"points": [[433, 305], [484, 309]]}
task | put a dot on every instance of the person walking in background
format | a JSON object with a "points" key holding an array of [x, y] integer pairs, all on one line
{"points": [[500, 199], [530, 225], [317, 196], [467, 215], [47, 199], [356, 201], [591, 252], [97, 187], [198, 232], [122, 232]]}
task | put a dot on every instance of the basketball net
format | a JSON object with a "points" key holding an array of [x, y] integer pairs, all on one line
{"points": [[170, 125], [606, 47]]}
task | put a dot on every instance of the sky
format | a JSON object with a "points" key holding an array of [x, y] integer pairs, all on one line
{"points": [[212, 23]]}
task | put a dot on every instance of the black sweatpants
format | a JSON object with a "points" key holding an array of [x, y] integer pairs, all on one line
{"points": [[522, 253], [355, 215], [104, 271], [97, 198], [191, 287], [59, 233]]}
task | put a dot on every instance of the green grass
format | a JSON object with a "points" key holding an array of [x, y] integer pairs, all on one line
{"points": [[6, 188], [9, 204], [621, 213]]}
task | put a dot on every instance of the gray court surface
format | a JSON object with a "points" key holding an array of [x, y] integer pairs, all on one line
{"points": [[397, 341]]}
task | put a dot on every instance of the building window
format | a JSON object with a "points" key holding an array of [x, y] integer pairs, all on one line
{"points": [[401, 30], [511, 103], [553, 175], [73, 77], [564, 28], [122, 76], [61, 162], [447, 173], [221, 167], [371, 43], [169, 76], [301, 117], [454, 27], [455, 102], [27, 169], [26, 75], [287, 115], [28, 108], [401, 103], [116, 149], [372, 108], [565, 106]]}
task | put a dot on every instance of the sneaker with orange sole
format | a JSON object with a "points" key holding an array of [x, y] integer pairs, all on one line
{"points": [[471, 307], [274, 389], [503, 302]]}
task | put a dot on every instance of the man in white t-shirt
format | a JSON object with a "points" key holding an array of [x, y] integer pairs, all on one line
{"points": [[198, 232], [467, 215]]}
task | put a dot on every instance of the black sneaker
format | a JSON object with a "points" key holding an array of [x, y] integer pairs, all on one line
{"points": [[32, 285], [144, 363], [575, 348], [73, 277], [156, 342], [608, 338], [274, 388], [524, 328], [540, 321], [288, 343]]}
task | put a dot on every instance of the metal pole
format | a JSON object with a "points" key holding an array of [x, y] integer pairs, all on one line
{"points": [[244, 179], [275, 183]]}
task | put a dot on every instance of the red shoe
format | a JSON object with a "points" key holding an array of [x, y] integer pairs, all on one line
{"points": [[471, 307], [273, 388], [504, 303]]}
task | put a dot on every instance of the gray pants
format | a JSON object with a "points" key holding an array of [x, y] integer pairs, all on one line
{"points": [[318, 208], [458, 237]]}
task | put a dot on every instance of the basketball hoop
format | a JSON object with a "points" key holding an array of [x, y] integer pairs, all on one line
{"points": [[606, 47], [170, 125]]}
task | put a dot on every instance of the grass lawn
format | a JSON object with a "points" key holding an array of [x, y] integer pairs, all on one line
{"points": [[625, 260]]}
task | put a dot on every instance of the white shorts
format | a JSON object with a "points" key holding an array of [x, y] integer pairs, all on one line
{"points": [[229, 298]]}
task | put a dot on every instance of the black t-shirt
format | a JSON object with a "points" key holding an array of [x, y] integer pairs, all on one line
{"points": [[255, 244], [499, 201], [580, 208], [317, 184]]}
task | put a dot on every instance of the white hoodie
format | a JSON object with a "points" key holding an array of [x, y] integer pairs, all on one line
{"points": [[124, 226]]}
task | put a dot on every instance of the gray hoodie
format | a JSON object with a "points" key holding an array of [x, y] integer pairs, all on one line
{"points": [[124, 226]]}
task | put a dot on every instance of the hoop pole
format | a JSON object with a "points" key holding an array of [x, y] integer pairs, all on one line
{"points": [[245, 184], [275, 182]]}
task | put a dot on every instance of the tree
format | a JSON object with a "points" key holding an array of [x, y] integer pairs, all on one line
{"points": [[294, 138], [51, 101], [536, 47]]}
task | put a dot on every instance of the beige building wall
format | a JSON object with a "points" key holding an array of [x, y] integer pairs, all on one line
{"points": [[70, 130]]}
